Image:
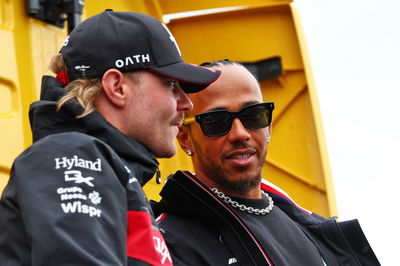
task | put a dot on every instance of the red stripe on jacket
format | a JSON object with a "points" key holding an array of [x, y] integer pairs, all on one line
{"points": [[144, 241]]}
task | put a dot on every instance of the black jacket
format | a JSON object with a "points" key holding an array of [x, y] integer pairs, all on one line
{"points": [[201, 229], [74, 197]]}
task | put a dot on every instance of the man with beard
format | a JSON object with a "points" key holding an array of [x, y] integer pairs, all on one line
{"points": [[226, 214]]}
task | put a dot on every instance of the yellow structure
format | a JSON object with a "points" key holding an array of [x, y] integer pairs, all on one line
{"points": [[206, 30]]}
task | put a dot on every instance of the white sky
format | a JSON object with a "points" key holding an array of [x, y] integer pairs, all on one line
{"points": [[354, 51]]}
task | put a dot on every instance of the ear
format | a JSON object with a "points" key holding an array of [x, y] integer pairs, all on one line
{"points": [[184, 138], [269, 130], [112, 82]]}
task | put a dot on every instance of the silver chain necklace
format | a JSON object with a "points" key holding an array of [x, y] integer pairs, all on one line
{"points": [[243, 207]]}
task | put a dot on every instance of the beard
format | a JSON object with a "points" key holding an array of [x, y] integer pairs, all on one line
{"points": [[240, 186], [243, 181]]}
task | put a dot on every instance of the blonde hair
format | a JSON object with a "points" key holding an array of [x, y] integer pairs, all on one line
{"points": [[84, 91]]}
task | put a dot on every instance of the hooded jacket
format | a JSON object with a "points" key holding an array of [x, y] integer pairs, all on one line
{"points": [[201, 229], [74, 197]]}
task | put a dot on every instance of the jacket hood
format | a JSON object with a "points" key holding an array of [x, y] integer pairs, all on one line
{"points": [[45, 121]]}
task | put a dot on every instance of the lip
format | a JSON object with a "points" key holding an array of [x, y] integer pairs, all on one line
{"points": [[178, 122], [241, 158]]}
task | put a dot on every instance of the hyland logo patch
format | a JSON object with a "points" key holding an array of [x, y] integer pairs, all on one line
{"points": [[75, 161]]}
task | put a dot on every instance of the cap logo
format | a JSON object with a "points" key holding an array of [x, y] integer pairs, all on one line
{"points": [[81, 68], [130, 60], [172, 38]]}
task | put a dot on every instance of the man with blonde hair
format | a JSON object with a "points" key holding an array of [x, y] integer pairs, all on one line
{"points": [[75, 196]]}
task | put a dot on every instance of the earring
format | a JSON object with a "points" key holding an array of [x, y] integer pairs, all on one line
{"points": [[268, 139], [189, 152]]}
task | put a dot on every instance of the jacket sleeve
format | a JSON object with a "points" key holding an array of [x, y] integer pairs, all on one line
{"points": [[72, 203], [358, 242]]}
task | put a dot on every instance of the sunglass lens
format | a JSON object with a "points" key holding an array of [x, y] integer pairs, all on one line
{"points": [[216, 123], [255, 117]]}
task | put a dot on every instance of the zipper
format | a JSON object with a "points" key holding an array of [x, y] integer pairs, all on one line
{"points": [[158, 175]]}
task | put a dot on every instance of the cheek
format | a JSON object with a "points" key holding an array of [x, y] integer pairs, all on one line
{"points": [[210, 148], [261, 139], [215, 148], [168, 109], [165, 102], [160, 106]]}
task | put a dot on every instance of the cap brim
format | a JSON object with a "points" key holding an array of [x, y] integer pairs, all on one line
{"points": [[191, 78]]}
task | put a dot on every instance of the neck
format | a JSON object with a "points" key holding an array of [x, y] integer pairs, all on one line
{"points": [[254, 193], [112, 114], [251, 193]]}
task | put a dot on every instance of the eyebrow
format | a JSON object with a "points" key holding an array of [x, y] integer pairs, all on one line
{"points": [[225, 109]]}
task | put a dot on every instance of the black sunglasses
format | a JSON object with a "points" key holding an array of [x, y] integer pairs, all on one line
{"points": [[219, 122]]}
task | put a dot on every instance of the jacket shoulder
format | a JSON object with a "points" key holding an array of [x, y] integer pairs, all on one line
{"points": [[66, 152]]}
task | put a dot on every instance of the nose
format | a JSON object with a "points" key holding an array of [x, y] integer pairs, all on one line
{"points": [[183, 102], [238, 132]]}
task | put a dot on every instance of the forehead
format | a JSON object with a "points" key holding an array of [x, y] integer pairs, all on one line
{"points": [[235, 88]]}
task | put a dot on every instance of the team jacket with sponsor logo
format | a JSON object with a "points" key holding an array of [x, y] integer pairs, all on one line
{"points": [[201, 229], [74, 197]]}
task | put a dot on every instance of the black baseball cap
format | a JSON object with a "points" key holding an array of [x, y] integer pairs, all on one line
{"points": [[129, 41]]}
